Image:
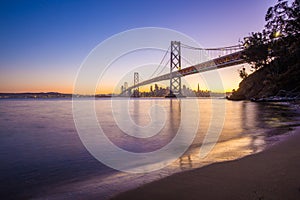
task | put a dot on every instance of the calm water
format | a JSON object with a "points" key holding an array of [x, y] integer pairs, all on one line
{"points": [[42, 155]]}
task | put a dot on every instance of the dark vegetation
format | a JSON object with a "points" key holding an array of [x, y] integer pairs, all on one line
{"points": [[273, 53]]}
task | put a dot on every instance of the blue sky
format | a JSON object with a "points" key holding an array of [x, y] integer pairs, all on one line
{"points": [[43, 43]]}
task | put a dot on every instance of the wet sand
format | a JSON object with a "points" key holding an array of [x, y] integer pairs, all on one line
{"points": [[271, 174]]}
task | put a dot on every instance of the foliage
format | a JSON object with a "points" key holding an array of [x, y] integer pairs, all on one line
{"points": [[278, 43], [242, 72]]}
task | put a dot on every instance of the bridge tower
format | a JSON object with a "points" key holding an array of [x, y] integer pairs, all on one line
{"points": [[175, 65], [136, 82]]}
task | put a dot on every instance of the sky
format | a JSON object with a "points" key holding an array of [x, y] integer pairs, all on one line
{"points": [[44, 43]]}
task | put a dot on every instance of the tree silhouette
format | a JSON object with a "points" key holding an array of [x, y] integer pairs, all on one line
{"points": [[278, 44]]}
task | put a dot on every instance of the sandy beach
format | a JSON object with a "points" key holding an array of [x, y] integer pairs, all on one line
{"points": [[271, 174]]}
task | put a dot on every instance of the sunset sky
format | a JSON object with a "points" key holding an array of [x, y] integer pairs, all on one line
{"points": [[43, 43]]}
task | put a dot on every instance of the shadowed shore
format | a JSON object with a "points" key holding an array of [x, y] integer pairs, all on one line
{"points": [[271, 174]]}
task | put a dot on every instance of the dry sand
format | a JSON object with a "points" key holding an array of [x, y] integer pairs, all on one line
{"points": [[271, 174]]}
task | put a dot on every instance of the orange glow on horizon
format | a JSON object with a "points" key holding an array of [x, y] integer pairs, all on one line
{"points": [[104, 89], [69, 90], [18, 82]]}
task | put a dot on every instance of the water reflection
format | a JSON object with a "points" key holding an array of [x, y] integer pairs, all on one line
{"points": [[39, 146], [248, 128]]}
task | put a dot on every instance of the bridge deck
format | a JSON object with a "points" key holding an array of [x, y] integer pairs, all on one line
{"points": [[217, 63]]}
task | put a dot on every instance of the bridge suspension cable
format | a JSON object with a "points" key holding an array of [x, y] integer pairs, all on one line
{"points": [[215, 52], [166, 53], [233, 47], [228, 48], [141, 79], [164, 67]]}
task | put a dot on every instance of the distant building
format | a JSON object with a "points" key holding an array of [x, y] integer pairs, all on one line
{"points": [[125, 85], [156, 87], [162, 92]]}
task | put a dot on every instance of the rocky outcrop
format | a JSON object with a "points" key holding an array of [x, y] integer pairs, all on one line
{"points": [[262, 84]]}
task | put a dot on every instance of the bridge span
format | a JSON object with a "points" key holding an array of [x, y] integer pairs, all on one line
{"points": [[176, 72]]}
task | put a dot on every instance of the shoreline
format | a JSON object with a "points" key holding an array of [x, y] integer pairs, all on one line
{"points": [[270, 174]]}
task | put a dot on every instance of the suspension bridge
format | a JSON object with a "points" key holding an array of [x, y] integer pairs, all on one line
{"points": [[232, 55]]}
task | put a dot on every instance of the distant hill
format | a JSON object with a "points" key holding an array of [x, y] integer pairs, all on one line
{"points": [[40, 95], [45, 95]]}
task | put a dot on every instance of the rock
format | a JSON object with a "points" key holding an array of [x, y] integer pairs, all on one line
{"points": [[262, 84]]}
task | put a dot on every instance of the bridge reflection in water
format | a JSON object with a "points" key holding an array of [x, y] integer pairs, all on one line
{"points": [[244, 130], [50, 144]]}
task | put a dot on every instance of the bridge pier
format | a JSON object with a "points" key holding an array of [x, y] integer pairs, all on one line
{"points": [[175, 65]]}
